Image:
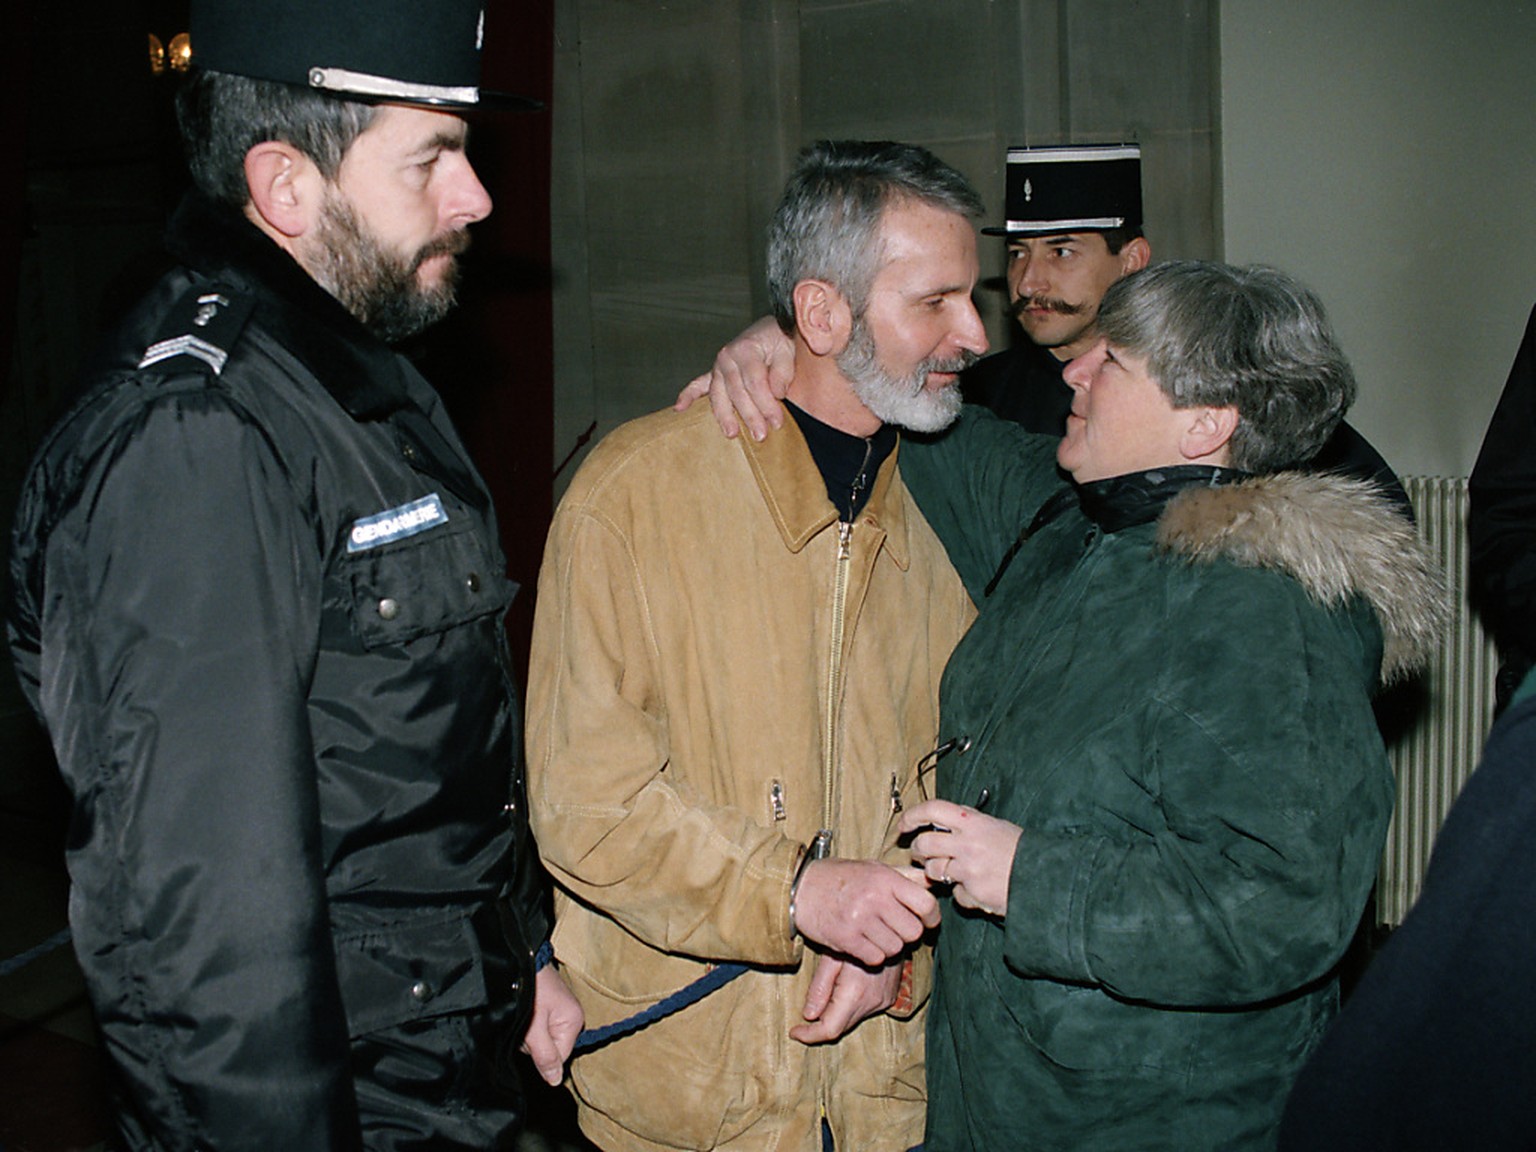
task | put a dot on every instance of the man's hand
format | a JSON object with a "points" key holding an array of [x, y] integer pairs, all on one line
{"points": [[970, 852], [557, 1020], [862, 908], [751, 375], [841, 994]]}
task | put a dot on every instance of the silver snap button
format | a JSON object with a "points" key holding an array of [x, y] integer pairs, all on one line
{"points": [[389, 608], [472, 581], [421, 991]]}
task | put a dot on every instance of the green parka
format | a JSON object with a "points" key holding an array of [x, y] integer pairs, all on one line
{"points": [[1178, 714]]}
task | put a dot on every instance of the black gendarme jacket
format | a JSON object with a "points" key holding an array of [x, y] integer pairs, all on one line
{"points": [[259, 602]]}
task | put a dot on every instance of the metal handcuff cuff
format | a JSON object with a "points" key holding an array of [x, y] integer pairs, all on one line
{"points": [[819, 848]]}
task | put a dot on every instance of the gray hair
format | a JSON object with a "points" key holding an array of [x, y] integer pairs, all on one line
{"points": [[223, 116], [1251, 338], [827, 225]]}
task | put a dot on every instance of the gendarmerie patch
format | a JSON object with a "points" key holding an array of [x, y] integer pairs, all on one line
{"points": [[396, 523]]}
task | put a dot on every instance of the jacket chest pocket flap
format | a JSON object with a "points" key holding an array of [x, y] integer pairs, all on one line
{"points": [[425, 585]]}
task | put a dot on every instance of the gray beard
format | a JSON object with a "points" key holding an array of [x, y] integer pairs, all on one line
{"points": [[902, 402], [375, 285]]}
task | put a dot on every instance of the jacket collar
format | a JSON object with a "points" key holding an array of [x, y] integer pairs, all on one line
{"points": [[1121, 502], [796, 494], [364, 375], [1337, 536]]}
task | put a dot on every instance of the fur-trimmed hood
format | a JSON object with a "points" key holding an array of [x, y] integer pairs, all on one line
{"points": [[1338, 536]]}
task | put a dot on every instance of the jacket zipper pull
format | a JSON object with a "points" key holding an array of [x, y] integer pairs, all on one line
{"points": [[776, 799], [895, 795]]}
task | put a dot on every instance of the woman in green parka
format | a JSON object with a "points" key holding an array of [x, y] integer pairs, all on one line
{"points": [[1163, 795]]}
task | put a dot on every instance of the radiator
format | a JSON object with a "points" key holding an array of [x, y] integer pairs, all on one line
{"points": [[1436, 726]]}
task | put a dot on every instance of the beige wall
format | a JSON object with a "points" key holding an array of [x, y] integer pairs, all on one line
{"points": [[1386, 153], [676, 123], [1384, 150]]}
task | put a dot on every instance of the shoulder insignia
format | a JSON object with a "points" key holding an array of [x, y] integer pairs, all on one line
{"points": [[203, 326]]}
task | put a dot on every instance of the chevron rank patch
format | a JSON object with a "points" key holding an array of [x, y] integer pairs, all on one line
{"points": [[200, 329]]}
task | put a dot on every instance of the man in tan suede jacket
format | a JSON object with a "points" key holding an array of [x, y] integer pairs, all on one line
{"points": [[735, 673]]}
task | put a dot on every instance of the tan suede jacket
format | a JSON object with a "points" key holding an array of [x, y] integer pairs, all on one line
{"points": [[720, 669]]}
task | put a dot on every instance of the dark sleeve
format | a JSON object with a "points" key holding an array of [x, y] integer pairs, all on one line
{"points": [[1435, 1050], [986, 382], [1352, 454], [979, 484], [1023, 384], [528, 891], [1274, 797], [1502, 523], [178, 634]]}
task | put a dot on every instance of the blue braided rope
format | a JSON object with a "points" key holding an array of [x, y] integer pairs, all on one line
{"points": [[22, 959], [715, 978], [544, 957]]}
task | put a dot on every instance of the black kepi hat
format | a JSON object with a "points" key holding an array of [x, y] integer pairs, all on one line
{"points": [[1071, 188], [399, 51]]}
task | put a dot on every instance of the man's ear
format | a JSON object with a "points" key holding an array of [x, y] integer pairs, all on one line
{"points": [[822, 316], [1135, 255], [1208, 433], [285, 189]]}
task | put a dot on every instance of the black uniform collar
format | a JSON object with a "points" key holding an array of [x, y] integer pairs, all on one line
{"points": [[1140, 497], [355, 366]]}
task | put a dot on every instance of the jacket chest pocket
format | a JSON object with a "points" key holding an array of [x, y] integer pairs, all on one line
{"points": [[428, 584]]}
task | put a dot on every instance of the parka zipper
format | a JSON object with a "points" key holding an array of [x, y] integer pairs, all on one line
{"points": [[821, 847]]}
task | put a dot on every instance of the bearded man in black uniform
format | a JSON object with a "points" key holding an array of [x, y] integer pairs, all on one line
{"points": [[259, 601]]}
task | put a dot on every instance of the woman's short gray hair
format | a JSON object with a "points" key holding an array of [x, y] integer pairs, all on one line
{"points": [[827, 225], [1251, 338]]}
